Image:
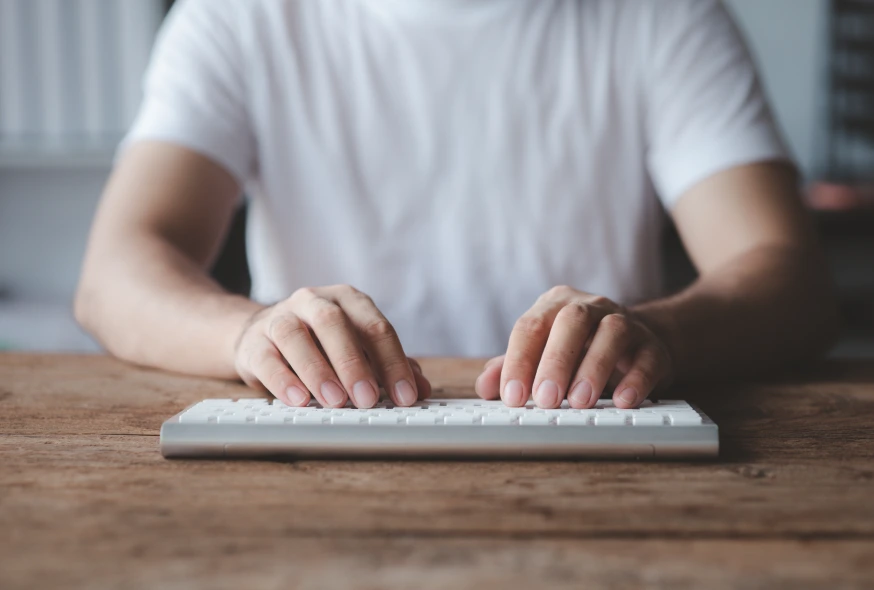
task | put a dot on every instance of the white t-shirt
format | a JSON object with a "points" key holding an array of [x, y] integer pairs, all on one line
{"points": [[454, 159]]}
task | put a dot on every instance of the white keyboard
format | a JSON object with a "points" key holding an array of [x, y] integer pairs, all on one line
{"points": [[438, 427]]}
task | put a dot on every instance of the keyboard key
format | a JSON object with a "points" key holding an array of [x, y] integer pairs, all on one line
{"points": [[573, 419], [197, 417], [275, 418], [498, 419], [534, 419], [311, 418], [609, 419], [422, 419], [459, 419], [647, 419], [352, 417], [233, 418], [684, 418], [383, 420]]}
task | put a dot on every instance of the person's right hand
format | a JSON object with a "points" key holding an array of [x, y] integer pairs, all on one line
{"points": [[332, 342]]}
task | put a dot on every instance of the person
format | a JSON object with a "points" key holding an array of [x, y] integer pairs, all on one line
{"points": [[455, 177]]}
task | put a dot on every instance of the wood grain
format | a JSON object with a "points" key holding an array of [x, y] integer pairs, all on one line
{"points": [[86, 500], [193, 559], [124, 478]]}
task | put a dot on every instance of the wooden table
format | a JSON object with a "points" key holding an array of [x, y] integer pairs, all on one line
{"points": [[86, 500]]}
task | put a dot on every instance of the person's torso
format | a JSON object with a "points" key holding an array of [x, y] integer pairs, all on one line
{"points": [[451, 159]]}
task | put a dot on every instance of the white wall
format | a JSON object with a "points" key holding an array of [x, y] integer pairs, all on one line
{"points": [[789, 41], [44, 216]]}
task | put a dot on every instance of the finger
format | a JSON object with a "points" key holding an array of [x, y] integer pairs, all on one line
{"points": [[292, 337], [613, 339], [527, 341], [272, 372], [423, 386], [562, 354], [649, 367], [381, 341], [338, 337], [488, 384]]}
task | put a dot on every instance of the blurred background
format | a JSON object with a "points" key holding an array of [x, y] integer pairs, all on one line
{"points": [[70, 74]]}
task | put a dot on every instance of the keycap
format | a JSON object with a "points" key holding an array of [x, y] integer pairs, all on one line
{"points": [[352, 417], [647, 419], [311, 418], [421, 419], [684, 418], [572, 419], [534, 419], [275, 418], [609, 419], [498, 419], [196, 417], [383, 420], [459, 419], [233, 418]]}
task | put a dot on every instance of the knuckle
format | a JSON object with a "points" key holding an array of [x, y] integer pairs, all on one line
{"points": [[601, 301], [276, 377], [317, 369], [559, 292], [303, 292], [616, 323], [345, 289], [577, 314], [601, 366], [285, 327], [395, 366], [365, 298], [348, 362], [520, 362], [558, 362], [532, 325], [260, 359], [328, 315], [646, 375], [379, 329]]}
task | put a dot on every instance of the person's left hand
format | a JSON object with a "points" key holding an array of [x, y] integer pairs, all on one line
{"points": [[570, 344]]}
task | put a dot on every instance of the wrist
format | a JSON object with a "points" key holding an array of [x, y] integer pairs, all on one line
{"points": [[239, 320]]}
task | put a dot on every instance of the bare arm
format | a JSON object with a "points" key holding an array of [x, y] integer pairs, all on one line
{"points": [[763, 297], [145, 294], [144, 290], [763, 300]]}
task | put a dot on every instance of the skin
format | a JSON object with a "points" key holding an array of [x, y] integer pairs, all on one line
{"points": [[762, 300]]}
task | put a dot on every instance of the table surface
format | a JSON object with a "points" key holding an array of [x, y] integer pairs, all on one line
{"points": [[86, 500]]}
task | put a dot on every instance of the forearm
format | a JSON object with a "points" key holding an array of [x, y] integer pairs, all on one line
{"points": [[148, 303], [766, 308]]}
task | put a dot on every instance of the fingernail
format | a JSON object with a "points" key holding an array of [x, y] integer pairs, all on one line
{"points": [[364, 394], [405, 393], [581, 394], [297, 396], [629, 396], [547, 394], [333, 395], [513, 393]]}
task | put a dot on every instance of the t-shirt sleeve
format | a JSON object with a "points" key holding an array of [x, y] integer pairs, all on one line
{"points": [[705, 109], [194, 87]]}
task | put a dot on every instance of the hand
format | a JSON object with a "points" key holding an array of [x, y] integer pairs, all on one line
{"points": [[329, 341], [570, 344]]}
